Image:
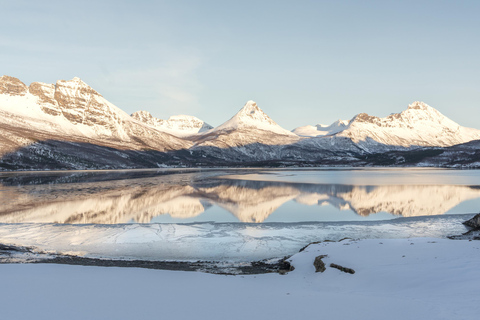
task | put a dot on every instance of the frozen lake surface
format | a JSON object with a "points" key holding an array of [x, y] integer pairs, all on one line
{"points": [[228, 214]]}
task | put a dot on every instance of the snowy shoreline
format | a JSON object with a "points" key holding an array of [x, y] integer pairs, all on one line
{"points": [[422, 278]]}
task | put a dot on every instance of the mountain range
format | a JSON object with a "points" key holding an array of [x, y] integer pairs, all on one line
{"points": [[69, 125]]}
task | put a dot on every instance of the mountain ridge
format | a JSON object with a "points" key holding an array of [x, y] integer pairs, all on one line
{"points": [[43, 121], [178, 125], [418, 125]]}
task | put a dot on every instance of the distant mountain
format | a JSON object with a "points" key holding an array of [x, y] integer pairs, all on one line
{"points": [[321, 130], [69, 125], [180, 126]]}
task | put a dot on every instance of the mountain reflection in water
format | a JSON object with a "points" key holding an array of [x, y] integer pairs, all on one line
{"points": [[78, 199]]}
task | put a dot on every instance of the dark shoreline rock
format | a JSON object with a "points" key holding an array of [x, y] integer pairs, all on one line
{"points": [[343, 269], [13, 254], [473, 223], [473, 234], [319, 264]]}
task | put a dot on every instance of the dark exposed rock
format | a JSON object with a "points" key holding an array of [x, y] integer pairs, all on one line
{"points": [[45, 93], [473, 223], [319, 264], [473, 234], [33, 255], [315, 242], [470, 235], [343, 269]]}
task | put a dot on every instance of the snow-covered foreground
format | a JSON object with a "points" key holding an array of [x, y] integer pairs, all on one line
{"points": [[417, 278], [213, 241]]}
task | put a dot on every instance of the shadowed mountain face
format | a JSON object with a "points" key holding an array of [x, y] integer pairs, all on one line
{"points": [[86, 198]]}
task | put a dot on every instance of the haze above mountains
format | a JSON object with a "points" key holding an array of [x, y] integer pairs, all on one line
{"points": [[70, 125]]}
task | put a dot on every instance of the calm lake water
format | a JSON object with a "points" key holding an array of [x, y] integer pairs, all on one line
{"points": [[227, 214]]}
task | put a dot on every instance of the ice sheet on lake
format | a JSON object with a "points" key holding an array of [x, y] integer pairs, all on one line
{"points": [[213, 241]]}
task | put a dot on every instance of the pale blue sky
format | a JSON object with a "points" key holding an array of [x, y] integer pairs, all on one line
{"points": [[304, 62]]}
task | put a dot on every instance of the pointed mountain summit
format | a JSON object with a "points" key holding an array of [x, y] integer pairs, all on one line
{"points": [[252, 117]]}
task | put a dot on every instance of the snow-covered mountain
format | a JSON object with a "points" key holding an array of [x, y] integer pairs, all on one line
{"points": [[249, 133], [180, 125], [419, 125], [251, 117], [71, 111]]}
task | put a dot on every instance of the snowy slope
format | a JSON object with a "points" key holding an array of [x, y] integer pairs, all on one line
{"points": [[252, 117], [395, 279], [180, 125]]}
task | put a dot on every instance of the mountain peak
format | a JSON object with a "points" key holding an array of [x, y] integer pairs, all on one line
{"points": [[250, 107], [251, 111], [421, 111], [12, 86], [418, 105], [76, 84]]}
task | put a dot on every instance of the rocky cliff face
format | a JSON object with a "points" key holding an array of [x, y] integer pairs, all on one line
{"points": [[12, 86], [46, 97], [80, 104]]}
